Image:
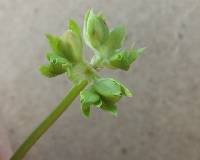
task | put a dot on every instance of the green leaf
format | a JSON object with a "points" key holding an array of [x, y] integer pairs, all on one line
{"points": [[85, 108], [111, 108], [72, 25], [116, 37]]}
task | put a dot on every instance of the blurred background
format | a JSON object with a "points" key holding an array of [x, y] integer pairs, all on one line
{"points": [[162, 120]]}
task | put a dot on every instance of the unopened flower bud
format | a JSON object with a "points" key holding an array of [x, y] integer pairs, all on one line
{"points": [[123, 59], [72, 46], [88, 97], [110, 89], [96, 31]]}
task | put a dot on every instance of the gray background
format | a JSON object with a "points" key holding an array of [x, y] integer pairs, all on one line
{"points": [[162, 120]]}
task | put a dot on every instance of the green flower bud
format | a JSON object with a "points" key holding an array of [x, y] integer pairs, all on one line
{"points": [[96, 31], [103, 94], [69, 45], [88, 97], [57, 65], [123, 59], [53, 69], [110, 90], [120, 60], [66, 57], [72, 46]]}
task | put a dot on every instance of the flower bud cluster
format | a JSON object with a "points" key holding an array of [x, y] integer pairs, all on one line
{"points": [[107, 45], [66, 57], [103, 93]]}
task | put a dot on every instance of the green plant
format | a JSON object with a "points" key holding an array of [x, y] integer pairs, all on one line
{"points": [[66, 57]]}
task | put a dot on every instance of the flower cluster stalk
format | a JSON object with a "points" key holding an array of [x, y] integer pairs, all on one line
{"points": [[48, 122]]}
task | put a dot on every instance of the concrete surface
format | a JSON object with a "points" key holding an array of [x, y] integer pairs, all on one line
{"points": [[161, 122]]}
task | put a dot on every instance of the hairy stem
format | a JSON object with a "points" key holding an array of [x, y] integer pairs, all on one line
{"points": [[51, 118]]}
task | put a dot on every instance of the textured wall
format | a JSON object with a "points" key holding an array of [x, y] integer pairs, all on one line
{"points": [[161, 122]]}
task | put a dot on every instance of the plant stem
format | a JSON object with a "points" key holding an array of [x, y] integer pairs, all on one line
{"points": [[51, 118]]}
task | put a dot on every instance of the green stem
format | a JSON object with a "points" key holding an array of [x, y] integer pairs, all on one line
{"points": [[43, 127]]}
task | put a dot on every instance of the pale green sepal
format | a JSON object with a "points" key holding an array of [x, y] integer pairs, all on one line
{"points": [[72, 25], [90, 97], [72, 46], [53, 42], [120, 60], [109, 89], [54, 58], [111, 108], [125, 90], [116, 37], [85, 109], [96, 30], [52, 70], [134, 53], [123, 59]]}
